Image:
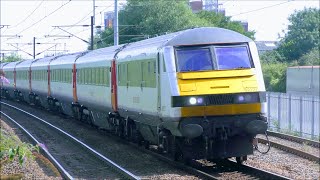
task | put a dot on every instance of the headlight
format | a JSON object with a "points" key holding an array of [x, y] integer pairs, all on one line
{"points": [[196, 101], [193, 101]]}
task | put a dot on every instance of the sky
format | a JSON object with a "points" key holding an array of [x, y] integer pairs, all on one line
{"points": [[36, 18]]}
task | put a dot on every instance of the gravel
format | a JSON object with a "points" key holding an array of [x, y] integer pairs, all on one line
{"points": [[284, 163], [302, 147], [143, 165], [30, 169], [275, 160]]}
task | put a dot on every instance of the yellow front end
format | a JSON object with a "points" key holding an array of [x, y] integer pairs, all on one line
{"points": [[218, 82]]}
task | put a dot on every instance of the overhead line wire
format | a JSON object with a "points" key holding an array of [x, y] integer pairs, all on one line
{"points": [[261, 8], [45, 17], [27, 16], [81, 20]]}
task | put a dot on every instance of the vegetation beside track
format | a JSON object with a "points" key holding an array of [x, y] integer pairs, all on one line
{"points": [[11, 147], [18, 159]]}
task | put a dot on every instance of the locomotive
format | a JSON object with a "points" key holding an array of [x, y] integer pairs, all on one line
{"points": [[197, 93]]}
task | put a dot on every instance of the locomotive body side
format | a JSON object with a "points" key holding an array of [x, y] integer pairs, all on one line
{"points": [[137, 90]]}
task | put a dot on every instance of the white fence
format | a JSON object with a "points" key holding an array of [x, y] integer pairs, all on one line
{"points": [[294, 114]]}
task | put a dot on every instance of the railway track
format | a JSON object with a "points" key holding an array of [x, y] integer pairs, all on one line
{"points": [[293, 150], [67, 151], [229, 170], [295, 139]]}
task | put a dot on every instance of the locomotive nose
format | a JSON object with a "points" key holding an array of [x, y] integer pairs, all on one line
{"points": [[191, 130]]}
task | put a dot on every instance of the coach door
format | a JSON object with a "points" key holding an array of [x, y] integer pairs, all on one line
{"points": [[114, 100], [159, 62]]}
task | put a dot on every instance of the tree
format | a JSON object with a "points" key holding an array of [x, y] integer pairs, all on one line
{"points": [[275, 76], [271, 57], [302, 35], [141, 19], [12, 58], [219, 20], [310, 58]]}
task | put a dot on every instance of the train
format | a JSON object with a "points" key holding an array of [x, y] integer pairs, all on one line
{"points": [[194, 94]]}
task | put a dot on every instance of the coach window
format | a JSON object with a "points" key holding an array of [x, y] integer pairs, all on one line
{"points": [[100, 79], [85, 76], [62, 75], [93, 76], [54, 77], [80, 77], [106, 75]]}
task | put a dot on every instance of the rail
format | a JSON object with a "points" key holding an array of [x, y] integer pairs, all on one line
{"points": [[64, 173], [121, 170]]}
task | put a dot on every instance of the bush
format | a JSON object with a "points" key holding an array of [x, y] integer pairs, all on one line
{"points": [[11, 147], [275, 76]]}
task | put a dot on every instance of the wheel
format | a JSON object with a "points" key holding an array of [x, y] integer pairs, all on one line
{"points": [[241, 159], [146, 144]]}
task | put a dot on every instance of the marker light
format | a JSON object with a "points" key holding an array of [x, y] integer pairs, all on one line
{"points": [[248, 97], [200, 100], [240, 98], [192, 100]]}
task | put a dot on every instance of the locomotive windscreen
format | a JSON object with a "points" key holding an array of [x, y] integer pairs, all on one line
{"points": [[232, 57], [212, 58], [194, 60]]}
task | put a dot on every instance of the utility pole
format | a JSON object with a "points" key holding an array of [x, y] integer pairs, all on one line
{"points": [[115, 24], [34, 47], [216, 6], [91, 43], [94, 12], [2, 26]]}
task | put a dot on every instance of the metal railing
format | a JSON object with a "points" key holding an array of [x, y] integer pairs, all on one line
{"points": [[294, 114]]}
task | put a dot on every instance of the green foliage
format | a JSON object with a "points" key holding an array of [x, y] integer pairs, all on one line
{"points": [[274, 74], [310, 58], [11, 147], [276, 125], [302, 35], [12, 58], [219, 20], [141, 19], [271, 57]]}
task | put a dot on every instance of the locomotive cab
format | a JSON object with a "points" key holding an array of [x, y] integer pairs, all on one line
{"points": [[219, 100]]}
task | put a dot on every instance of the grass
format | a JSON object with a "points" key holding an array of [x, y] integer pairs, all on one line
{"points": [[11, 147]]}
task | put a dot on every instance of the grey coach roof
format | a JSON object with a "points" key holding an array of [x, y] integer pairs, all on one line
{"points": [[195, 36], [206, 35]]}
